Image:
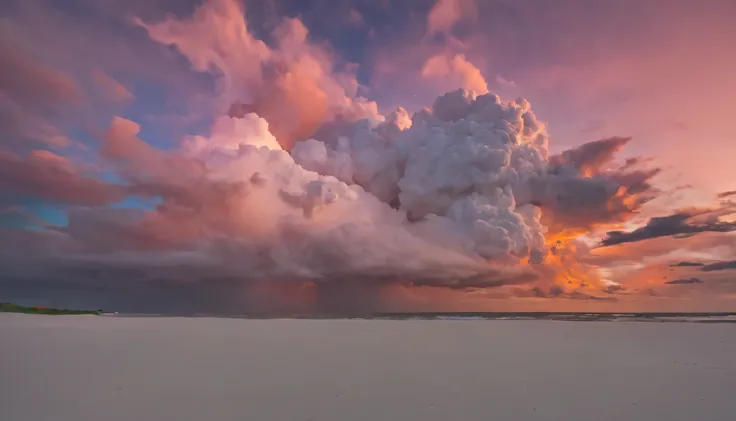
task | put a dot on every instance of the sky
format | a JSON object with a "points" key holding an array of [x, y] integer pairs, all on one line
{"points": [[232, 156]]}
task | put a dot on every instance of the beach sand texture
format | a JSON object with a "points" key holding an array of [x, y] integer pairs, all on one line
{"points": [[77, 368]]}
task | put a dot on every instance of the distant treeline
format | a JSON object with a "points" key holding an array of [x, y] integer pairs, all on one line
{"points": [[14, 308]]}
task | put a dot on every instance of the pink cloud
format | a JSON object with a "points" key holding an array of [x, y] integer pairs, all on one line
{"points": [[32, 96], [33, 86], [137, 160], [355, 18], [103, 39], [110, 88], [446, 13], [454, 72], [294, 85], [52, 177]]}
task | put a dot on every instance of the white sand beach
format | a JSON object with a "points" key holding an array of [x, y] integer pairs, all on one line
{"points": [[78, 368]]}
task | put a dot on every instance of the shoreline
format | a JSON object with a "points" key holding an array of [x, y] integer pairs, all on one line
{"points": [[43, 310], [706, 318]]}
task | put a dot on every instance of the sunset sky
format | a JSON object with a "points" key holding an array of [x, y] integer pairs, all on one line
{"points": [[261, 155]]}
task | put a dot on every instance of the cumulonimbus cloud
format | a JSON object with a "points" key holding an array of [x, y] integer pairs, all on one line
{"points": [[300, 181], [447, 198]]}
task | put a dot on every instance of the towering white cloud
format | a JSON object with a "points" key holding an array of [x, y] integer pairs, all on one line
{"points": [[303, 182], [457, 161], [242, 200], [453, 197]]}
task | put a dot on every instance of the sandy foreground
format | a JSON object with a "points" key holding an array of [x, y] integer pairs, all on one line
{"points": [[146, 369]]}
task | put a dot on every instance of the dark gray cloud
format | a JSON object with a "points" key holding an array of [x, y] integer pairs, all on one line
{"points": [[591, 155], [685, 281], [681, 223], [633, 162], [614, 289], [731, 264], [687, 264], [556, 291], [727, 194], [584, 187]]}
